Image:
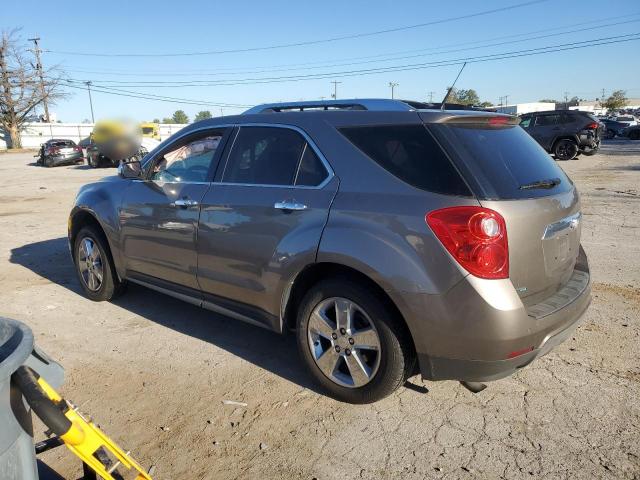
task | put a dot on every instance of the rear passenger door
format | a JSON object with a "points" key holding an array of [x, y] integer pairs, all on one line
{"points": [[262, 219], [546, 129]]}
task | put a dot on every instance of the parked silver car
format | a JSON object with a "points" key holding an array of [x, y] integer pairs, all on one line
{"points": [[393, 239]]}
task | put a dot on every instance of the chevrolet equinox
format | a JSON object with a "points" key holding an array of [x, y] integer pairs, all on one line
{"points": [[392, 238]]}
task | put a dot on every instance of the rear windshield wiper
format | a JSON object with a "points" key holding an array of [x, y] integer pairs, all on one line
{"points": [[552, 182]]}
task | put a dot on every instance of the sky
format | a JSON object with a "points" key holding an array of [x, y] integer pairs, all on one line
{"points": [[89, 41]]}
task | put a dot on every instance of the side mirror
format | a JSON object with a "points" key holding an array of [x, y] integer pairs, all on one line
{"points": [[131, 169]]}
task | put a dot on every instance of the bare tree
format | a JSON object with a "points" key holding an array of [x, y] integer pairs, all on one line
{"points": [[21, 87]]}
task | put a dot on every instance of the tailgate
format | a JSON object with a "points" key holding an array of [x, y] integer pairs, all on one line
{"points": [[510, 173], [544, 241]]}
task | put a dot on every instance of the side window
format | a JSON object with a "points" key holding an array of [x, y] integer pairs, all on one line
{"points": [[264, 156], [188, 162], [525, 122], [311, 172], [410, 153], [546, 120]]}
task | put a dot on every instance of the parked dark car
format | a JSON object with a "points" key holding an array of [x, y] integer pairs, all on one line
{"points": [[564, 133], [56, 152], [612, 128], [392, 239], [633, 133]]}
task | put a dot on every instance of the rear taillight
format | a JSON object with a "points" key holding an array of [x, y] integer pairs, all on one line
{"points": [[77, 149], [592, 126], [476, 237]]}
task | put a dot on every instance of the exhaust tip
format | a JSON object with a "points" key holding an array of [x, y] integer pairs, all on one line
{"points": [[473, 387]]}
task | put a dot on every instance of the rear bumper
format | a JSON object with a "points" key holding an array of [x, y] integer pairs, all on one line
{"points": [[66, 159], [472, 332]]}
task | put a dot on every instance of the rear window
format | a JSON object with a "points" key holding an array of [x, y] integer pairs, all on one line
{"points": [[63, 143], [500, 161], [410, 153]]}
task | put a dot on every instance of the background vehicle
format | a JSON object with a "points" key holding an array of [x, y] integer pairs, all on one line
{"points": [[564, 133], [58, 151], [627, 120], [150, 130], [381, 232], [632, 133], [612, 128]]}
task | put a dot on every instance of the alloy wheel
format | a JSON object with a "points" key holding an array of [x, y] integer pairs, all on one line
{"points": [[90, 264], [344, 342]]}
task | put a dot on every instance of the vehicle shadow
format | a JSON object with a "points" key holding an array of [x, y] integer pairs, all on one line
{"points": [[276, 353]]}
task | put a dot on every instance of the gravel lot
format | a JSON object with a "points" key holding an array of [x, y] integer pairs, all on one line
{"points": [[154, 371]]}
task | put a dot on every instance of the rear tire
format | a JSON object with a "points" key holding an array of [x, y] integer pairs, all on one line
{"points": [[634, 135], [48, 162], [565, 149], [370, 356], [94, 266]]}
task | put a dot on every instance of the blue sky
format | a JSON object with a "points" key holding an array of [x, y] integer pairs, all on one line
{"points": [[161, 27]]}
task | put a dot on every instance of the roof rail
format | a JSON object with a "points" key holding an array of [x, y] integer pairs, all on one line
{"points": [[373, 104]]}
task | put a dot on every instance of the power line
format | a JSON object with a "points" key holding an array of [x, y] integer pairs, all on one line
{"points": [[157, 98], [349, 61], [397, 68], [309, 42]]}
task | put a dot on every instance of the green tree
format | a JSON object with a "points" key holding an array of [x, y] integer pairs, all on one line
{"points": [[202, 115], [167, 120], [616, 100], [548, 100], [180, 117], [486, 104], [155, 120], [465, 97]]}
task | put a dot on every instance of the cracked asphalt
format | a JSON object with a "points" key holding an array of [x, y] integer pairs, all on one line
{"points": [[154, 371]]}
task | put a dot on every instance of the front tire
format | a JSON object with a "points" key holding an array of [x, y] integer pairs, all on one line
{"points": [[353, 344], [94, 266], [565, 149]]}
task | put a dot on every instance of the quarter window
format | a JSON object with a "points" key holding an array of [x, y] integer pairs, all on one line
{"points": [[546, 120], [265, 156], [188, 162], [410, 153], [311, 172]]}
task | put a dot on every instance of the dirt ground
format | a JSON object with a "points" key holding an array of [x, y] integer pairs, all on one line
{"points": [[154, 371]]}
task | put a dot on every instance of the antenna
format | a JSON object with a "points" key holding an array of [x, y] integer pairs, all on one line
{"points": [[444, 100]]}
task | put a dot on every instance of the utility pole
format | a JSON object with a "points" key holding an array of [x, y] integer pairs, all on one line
{"points": [[88, 84], [393, 85], [335, 90], [566, 100], [431, 96], [506, 100], [37, 51]]}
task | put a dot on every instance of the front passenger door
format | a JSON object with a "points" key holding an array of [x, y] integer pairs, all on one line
{"points": [[159, 214]]}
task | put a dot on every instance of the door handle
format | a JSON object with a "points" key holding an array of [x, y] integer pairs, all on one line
{"points": [[184, 202], [289, 205]]}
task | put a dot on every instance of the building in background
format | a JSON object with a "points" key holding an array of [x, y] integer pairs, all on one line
{"points": [[593, 106], [520, 108]]}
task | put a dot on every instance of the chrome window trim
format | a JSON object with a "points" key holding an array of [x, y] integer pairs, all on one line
{"points": [[325, 163]]}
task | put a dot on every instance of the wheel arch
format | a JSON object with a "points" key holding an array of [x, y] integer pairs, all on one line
{"points": [[317, 272], [83, 217]]}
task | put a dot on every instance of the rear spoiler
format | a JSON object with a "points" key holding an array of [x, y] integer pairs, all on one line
{"points": [[482, 120]]}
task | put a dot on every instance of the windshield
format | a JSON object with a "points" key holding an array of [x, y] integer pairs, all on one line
{"points": [[502, 162], [64, 143], [147, 130]]}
